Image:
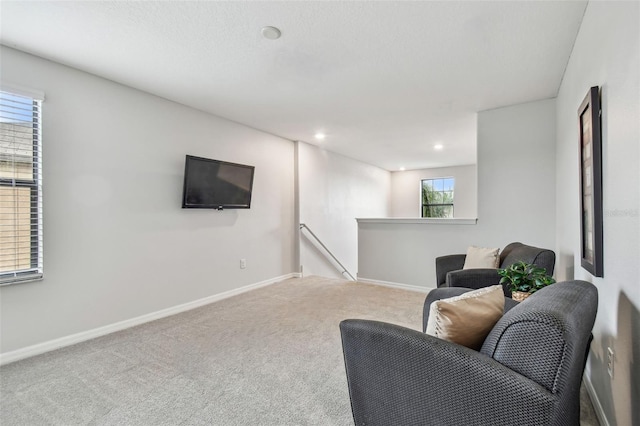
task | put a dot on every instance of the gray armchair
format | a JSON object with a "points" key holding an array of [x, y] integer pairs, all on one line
{"points": [[449, 272], [528, 371]]}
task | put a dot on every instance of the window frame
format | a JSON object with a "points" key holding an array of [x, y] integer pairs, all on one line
{"points": [[35, 270], [424, 205]]}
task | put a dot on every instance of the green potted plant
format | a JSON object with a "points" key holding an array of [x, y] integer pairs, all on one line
{"points": [[524, 279]]}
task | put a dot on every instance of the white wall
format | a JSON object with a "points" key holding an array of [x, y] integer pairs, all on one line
{"points": [[117, 244], [406, 197], [516, 173], [606, 54], [333, 191], [516, 201]]}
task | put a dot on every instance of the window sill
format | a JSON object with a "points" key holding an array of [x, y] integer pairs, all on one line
{"points": [[12, 280]]}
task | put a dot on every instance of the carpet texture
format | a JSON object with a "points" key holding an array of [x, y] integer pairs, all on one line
{"points": [[271, 356]]}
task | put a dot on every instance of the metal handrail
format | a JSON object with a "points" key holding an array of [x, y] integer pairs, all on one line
{"points": [[344, 270]]}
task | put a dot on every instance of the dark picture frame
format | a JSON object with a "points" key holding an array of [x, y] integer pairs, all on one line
{"points": [[591, 239]]}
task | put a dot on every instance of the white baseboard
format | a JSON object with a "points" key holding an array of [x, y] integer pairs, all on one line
{"points": [[602, 418], [395, 285], [51, 345]]}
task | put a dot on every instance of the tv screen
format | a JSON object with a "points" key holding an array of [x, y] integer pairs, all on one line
{"points": [[213, 184]]}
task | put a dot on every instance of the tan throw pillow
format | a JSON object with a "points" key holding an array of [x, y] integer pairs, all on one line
{"points": [[466, 319], [481, 257]]}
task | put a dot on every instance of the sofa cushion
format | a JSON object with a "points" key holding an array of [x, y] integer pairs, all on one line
{"points": [[481, 257], [468, 318]]}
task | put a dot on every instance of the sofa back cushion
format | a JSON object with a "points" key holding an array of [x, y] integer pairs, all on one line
{"points": [[515, 252]]}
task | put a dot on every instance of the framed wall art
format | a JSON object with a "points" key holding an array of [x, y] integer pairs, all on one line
{"points": [[591, 239]]}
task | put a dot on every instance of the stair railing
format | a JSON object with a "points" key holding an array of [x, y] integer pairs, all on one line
{"points": [[344, 270]]}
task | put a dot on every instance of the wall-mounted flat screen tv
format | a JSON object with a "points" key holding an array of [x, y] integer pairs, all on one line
{"points": [[214, 184]]}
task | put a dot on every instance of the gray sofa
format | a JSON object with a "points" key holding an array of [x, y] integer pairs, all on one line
{"points": [[449, 272], [528, 371]]}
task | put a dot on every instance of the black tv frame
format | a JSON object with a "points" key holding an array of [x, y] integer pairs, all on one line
{"points": [[215, 206]]}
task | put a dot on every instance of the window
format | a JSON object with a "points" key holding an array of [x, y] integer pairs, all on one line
{"points": [[437, 197], [20, 189]]}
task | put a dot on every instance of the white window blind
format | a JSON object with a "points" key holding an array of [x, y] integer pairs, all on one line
{"points": [[20, 188]]}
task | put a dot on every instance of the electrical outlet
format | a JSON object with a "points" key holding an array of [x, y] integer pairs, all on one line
{"points": [[243, 263], [610, 359]]}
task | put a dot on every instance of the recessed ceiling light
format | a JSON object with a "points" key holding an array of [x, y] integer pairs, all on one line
{"points": [[320, 136], [402, 169], [438, 147], [272, 33]]}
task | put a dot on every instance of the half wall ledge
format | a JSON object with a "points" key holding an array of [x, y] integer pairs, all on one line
{"points": [[418, 220]]}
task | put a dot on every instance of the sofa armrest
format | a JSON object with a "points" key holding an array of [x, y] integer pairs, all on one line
{"points": [[404, 377], [475, 278], [446, 264]]}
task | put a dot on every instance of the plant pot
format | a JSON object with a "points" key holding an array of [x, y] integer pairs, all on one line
{"points": [[519, 296]]}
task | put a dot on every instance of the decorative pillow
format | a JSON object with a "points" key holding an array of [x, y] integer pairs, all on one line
{"points": [[481, 257], [467, 319]]}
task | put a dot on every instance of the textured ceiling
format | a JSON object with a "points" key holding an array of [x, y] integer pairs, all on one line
{"points": [[384, 80]]}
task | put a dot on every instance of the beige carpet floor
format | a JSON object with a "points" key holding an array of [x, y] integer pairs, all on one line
{"points": [[271, 356]]}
